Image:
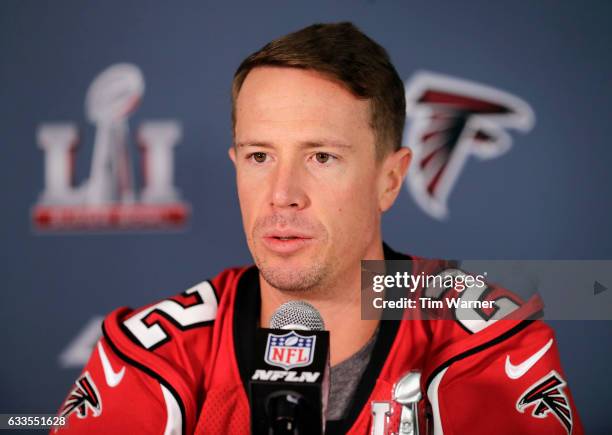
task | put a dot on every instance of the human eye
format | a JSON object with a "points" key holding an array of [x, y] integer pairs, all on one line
{"points": [[324, 158], [257, 157]]}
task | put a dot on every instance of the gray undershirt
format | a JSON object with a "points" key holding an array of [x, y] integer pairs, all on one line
{"points": [[344, 378]]}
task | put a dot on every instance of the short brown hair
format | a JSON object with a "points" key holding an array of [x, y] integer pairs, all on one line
{"points": [[346, 54]]}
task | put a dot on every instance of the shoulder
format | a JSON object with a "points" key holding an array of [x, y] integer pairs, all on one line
{"points": [[464, 295], [173, 338], [175, 318], [500, 352], [154, 359], [464, 308]]}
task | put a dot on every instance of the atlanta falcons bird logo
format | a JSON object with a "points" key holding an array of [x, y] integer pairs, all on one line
{"points": [[82, 398], [547, 396], [452, 119]]}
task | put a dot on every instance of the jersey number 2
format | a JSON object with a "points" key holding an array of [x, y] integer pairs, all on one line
{"points": [[182, 315]]}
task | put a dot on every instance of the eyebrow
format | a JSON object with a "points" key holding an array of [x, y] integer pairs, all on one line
{"points": [[305, 144], [253, 144], [326, 143]]}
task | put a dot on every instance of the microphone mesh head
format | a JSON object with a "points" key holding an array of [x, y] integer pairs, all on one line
{"points": [[297, 315]]}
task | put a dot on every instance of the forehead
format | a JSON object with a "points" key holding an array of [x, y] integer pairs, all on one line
{"points": [[292, 102]]}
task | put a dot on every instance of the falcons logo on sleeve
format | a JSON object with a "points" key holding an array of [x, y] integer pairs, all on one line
{"points": [[547, 396], [452, 119], [82, 398]]}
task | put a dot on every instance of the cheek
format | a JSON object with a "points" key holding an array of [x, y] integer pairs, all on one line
{"points": [[351, 211], [248, 198]]}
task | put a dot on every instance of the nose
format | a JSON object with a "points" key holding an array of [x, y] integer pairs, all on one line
{"points": [[288, 190]]}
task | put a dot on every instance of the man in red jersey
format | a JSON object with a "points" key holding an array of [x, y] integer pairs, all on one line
{"points": [[318, 118]]}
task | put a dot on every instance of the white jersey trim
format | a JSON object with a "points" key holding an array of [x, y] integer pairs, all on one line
{"points": [[174, 423], [432, 394]]}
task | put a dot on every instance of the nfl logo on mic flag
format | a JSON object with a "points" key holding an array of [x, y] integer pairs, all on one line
{"points": [[290, 350]]}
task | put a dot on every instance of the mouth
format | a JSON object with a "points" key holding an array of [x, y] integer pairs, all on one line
{"points": [[286, 243]]}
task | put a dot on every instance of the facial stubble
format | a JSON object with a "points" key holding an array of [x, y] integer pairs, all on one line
{"points": [[307, 278]]}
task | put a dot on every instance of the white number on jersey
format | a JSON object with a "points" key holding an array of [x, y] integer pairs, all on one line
{"points": [[184, 317]]}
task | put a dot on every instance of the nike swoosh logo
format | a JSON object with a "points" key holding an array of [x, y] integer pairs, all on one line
{"points": [[112, 378], [516, 371]]}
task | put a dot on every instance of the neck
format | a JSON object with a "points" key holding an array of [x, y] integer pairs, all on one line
{"points": [[339, 304]]}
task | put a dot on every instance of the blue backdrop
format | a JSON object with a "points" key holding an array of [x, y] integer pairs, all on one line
{"points": [[549, 197]]}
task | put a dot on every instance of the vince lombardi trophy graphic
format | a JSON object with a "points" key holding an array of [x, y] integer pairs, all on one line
{"points": [[111, 98]]}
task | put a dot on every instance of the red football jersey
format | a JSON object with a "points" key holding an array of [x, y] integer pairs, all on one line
{"points": [[182, 366]]}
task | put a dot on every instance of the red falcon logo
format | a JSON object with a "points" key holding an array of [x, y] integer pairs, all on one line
{"points": [[547, 396], [83, 398], [452, 119]]}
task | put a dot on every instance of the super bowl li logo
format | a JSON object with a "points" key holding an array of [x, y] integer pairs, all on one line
{"points": [[108, 199]]}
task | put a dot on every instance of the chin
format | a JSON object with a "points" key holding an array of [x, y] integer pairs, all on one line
{"points": [[292, 277]]}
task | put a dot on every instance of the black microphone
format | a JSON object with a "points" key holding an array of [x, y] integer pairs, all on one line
{"points": [[289, 386]]}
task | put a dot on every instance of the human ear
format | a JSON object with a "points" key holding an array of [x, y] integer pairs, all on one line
{"points": [[393, 171], [232, 154]]}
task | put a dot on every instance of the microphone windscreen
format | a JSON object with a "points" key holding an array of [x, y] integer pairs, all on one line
{"points": [[297, 315]]}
